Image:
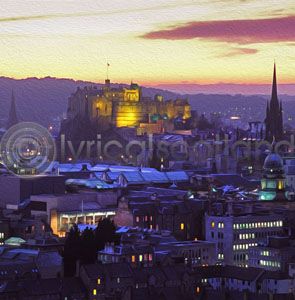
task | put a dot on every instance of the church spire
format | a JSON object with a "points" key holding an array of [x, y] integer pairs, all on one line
{"points": [[274, 95], [12, 117], [274, 113]]}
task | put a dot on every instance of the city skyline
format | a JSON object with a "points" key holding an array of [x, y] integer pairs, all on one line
{"points": [[209, 42]]}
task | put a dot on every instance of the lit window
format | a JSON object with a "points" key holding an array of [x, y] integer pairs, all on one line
{"points": [[98, 281], [118, 280], [94, 292], [150, 257], [140, 257], [137, 219], [198, 290], [133, 258], [212, 224], [220, 256], [220, 225], [181, 226]]}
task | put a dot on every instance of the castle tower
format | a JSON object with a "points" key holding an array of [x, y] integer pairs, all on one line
{"points": [[12, 117], [274, 114]]}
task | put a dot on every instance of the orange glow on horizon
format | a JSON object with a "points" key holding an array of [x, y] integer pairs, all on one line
{"points": [[77, 39]]}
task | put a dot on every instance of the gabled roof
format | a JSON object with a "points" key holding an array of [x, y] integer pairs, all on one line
{"points": [[113, 175], [247, 274], [133, 177], [14, 241], [94, 271], [155, 176], [177, 176], [65, 168], [91, 183]]}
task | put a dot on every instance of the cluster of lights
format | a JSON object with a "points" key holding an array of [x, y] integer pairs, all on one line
{"points": [[219, 225], [244, 246], [145, 257], [265, 253], [220, 256], [246, 236], [267, 263], [258, 225]]}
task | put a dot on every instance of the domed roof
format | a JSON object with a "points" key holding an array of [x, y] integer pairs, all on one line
{"points": [[273, 161]]}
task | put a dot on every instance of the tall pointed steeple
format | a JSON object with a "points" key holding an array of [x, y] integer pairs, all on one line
{"points": [[274, 94], [12, 117], [274, 113]]}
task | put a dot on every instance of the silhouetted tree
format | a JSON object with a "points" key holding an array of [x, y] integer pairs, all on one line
{"points": [[83, 247], [72, 251], [88, 247], [105, 232]]}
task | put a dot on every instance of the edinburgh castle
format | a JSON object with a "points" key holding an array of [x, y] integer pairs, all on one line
{"points": [[125, 107]]}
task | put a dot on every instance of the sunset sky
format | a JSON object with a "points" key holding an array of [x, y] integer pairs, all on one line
{"points": [[149, 41]]}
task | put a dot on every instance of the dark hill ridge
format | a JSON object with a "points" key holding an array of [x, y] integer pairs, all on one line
{"points": [[42, 100]]}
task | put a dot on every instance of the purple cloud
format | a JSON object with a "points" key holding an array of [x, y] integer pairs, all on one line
{"points": [[280, 29], [239, 51]]}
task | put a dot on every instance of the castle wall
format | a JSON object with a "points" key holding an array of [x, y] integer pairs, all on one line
{"points": [[129, 114], [124, 106]]}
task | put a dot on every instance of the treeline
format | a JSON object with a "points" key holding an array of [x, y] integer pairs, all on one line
{"points": [[83, 246]]}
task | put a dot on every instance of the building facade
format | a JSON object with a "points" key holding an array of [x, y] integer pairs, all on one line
{"points": [[236, 235]]}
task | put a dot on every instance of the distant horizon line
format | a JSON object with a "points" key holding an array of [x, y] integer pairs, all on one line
{"points": [[187, 87]]}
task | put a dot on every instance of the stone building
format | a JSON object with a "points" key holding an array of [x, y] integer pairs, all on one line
{"points": [[124, 107]]}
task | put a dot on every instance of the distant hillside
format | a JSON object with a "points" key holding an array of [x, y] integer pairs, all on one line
{"points": [[226, 88], [42, 100]]}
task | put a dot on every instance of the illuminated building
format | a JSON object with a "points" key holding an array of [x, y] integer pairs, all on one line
{"points": [[273, 180], [276, 255], [62, 211], [123, 107], [236, 235]]}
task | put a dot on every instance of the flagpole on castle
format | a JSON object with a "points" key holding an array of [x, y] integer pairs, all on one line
{"points": [[108, 65]]}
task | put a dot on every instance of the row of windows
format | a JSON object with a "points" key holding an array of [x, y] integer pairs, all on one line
{"points": [[261, 234], [270, 263], [246, 236], [219, 235], [145, 219], [145, 257], [258, 225], [219, 225], [240, 257], [244, 246]]}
